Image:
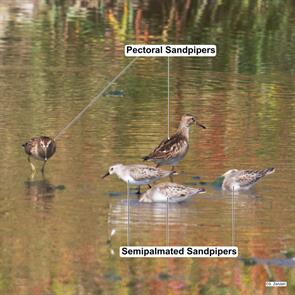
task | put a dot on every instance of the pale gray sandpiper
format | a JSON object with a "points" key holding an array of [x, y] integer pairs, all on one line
{"points": [[243, 179], [138, 174], [40, 148], [172, 150], [175, 193]]}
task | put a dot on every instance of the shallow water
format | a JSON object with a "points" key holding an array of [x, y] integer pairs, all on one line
{"points": [[56, 56]]}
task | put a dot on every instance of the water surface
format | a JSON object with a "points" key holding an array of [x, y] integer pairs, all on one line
{"points": [[57, 55]]}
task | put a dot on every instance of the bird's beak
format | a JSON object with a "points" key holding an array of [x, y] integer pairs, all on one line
{"points": [[199, 124], [107, 174]]}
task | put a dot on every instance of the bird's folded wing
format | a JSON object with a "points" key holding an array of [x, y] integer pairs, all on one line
{"points": [[168, 148], [247, 177], [140, 173], [173, 191]]}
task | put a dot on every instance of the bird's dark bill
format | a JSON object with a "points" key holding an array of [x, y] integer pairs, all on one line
{"points": [[201, 125], [107, 174]]}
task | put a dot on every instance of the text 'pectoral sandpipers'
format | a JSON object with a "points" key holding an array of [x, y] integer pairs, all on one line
{"points": [[138, 174], [243, 179], [172, 150], [40, 148]]}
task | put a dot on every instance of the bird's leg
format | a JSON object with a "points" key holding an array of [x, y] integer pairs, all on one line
{"points": [[33, 169], [32, 165], [171, 175], [158, 165], [43, 167], [173, 167], [138, 190], [149, 186]]}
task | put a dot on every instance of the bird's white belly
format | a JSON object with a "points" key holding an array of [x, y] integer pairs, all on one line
{"points": [[179, 157], [133, 181], [235, 187], [231, 186], [159, 197], [35, 154], [172, 161]]}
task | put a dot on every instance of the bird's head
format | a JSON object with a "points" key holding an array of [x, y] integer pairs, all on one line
{"points": [[230, 172], [187, 120], [113, 169]]}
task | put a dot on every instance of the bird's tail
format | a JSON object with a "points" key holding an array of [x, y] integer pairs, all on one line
{"points": [[267, 171]]}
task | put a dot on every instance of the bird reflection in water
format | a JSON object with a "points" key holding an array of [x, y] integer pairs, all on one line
{"points": [[41, 190]]}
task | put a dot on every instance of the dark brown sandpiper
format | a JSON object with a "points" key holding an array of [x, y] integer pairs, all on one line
{"points": [[40, 148]]}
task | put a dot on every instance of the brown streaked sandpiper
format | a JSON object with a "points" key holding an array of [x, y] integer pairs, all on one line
{"points": [[40, 148], [172, 150]]}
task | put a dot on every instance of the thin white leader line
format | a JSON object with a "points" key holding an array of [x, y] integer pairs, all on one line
{"points": [[233, 217], [128, 216], [168, 92], [168, 133], [167, 222], [94, 99]]}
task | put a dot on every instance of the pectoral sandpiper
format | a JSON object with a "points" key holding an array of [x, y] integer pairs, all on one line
{"points": [[172, 150], [40, 148]]}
